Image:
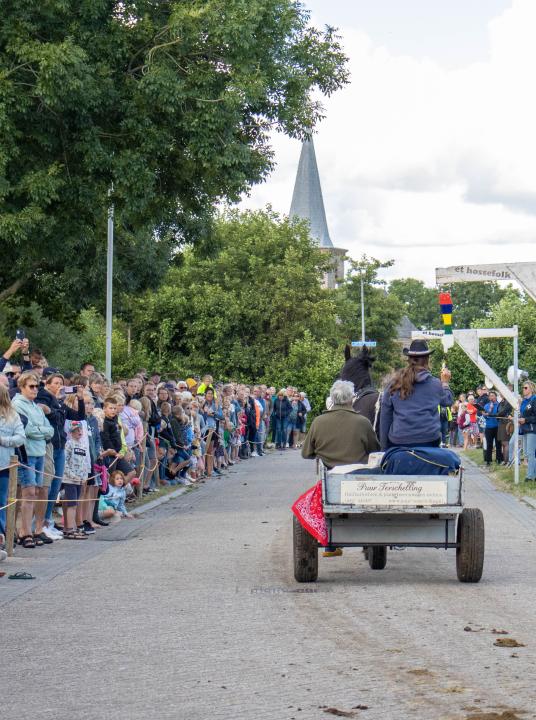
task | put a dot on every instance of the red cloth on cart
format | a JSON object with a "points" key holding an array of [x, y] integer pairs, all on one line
{"points": [[309, 511]]}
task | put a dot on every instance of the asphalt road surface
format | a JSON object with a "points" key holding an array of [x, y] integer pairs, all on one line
{"points": [[193, 613]]}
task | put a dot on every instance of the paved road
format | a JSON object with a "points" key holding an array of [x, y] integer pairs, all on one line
{"points": [[195, 615]]}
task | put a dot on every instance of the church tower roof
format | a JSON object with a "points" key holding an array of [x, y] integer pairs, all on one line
{"points": [[307, 202]]}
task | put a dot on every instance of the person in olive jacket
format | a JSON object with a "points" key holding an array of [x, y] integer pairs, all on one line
{"points": [[280, 412]]}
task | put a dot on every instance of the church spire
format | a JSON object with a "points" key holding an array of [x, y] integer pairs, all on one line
{"points": [[307, 202]]}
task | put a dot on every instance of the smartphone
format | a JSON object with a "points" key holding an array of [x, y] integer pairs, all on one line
{"points": [[20, 334], [70, 389]]}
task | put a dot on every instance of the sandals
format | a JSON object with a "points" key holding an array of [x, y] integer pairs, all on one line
{"points": [[74, 535], [44, 539], [27, 541], [21, 575]]}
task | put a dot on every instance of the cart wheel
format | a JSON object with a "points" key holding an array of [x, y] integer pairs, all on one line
{"points": [[305, 554], [377, 557], [470, 550]]}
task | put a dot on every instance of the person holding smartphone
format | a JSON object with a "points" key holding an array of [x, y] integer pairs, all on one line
{"points": [[50, 399], [19, 344]]}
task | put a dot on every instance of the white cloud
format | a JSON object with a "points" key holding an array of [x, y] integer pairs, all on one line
{"points": [[425, 164]]}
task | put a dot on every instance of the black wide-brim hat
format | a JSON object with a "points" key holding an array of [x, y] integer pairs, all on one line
{"points": [[418, 348]]}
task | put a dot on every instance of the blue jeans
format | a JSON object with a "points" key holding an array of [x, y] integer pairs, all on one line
{"points": [[32, 475], [291, 427], [531, 455], [150, 460], [280, 431], [4, 489], [259, 439], [55, 485]]}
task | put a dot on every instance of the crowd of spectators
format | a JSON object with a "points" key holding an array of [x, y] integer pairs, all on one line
{"points": [[484, 419], [87, 447]]}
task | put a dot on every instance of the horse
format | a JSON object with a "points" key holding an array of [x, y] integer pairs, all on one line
{"points": [[357, 370]]}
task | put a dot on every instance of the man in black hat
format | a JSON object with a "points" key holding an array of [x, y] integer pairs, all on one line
{"points": [[410, 404]]}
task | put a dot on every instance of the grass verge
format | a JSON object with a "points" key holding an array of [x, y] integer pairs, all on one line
{"points": [[501, 476]]}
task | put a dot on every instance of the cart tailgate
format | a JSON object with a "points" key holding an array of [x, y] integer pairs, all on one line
{"points": [[391, 493]]}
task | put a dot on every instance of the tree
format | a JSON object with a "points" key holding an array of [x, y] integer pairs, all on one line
{"points": [[238, 311], [513, 309], [67, 347], [465, 374], [471, 301], [420, 302], [383, 311], [311, 365], [168, 103], [474, 301]]}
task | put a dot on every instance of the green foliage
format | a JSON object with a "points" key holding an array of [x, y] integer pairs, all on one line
{"points": [[172, 103], [383, 312], [66, 347], [471, 301], [311, 365], [465, 375], [420, 302], [474, 301], [238, 311], [512, 310]]}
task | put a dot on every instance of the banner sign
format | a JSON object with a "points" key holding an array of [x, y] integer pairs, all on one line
{"points": [[365, 343], [394, 493], [474, 273], [524, 273], [427, 334]]}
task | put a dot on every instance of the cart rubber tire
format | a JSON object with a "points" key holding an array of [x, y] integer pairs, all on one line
{"points": [[377, 557], [470, 550], [305, 554]]}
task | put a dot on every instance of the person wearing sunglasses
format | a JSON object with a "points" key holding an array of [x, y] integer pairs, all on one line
{"points": [[527, 423], [37, 431]]}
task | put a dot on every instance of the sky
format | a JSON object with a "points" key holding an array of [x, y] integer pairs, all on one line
{"points": [[428, 156]]}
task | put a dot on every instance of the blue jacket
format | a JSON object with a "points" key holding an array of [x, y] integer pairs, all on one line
{"points": [[414, 420], [37, 429], [115, 498], [11, 436], [528, 412], [491, 409]]}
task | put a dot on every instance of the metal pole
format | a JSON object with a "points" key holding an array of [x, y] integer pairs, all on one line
{"points": [[362, 310], [109, 288], [516, 408], [11, 515]]}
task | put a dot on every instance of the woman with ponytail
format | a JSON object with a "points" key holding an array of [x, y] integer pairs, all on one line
{"points": [[410, 404]]}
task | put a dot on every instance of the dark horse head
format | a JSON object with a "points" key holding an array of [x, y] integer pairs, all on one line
{"points": [[357, 369]]}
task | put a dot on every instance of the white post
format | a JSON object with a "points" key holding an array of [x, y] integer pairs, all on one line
{"points": [[109, 289], [516, 407], [362, 311]]}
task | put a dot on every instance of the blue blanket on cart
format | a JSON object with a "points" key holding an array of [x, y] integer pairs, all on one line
{"points": [[420, 461]]}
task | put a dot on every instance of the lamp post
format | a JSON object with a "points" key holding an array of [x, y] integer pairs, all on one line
{"points": [[109, 287], [362, 307]]}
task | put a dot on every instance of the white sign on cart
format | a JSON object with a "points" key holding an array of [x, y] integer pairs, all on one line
{"points": [[396, 493]]}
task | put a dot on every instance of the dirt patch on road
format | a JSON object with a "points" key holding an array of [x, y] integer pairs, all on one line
{"points": [[420, 672], [340, 713], [508, 642], [506, 715]]}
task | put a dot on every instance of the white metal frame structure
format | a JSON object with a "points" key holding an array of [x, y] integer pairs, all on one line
{"points": [[469, 341]]}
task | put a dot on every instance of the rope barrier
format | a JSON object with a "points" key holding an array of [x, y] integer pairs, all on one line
{"points": [[143, 467]]}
